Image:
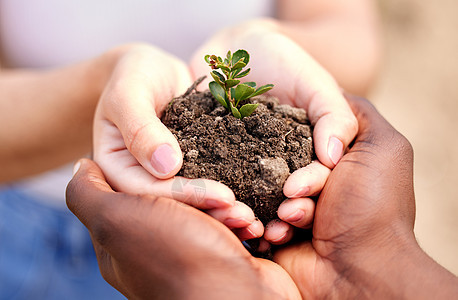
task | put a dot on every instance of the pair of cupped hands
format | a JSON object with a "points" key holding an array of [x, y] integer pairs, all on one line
{"points": [[150, 246], [139, 155]]}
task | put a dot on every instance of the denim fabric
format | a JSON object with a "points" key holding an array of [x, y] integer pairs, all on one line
{"points": [[46, 253]]}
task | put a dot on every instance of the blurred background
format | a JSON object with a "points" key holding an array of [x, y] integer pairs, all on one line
{"points": [[417, 92]]}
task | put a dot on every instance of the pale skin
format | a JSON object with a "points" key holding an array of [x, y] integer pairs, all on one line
{"points": [[128, 134]]}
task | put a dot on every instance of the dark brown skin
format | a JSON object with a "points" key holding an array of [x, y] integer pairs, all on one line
{"points": [[363, 246], [158, 248]]}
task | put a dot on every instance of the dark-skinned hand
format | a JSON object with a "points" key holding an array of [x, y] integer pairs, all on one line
{"points": [[363, 245], [363, 242], [159, 248]]}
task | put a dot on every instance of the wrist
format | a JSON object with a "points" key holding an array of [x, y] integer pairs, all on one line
{"points": [[401, 271]]}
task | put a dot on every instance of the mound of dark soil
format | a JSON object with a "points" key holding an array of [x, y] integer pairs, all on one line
{"points": [[253, 156]]}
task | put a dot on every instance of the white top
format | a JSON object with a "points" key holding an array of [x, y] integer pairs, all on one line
{"points": [[43, 33], [50, 33]]}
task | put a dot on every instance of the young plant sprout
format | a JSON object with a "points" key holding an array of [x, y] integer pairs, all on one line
{"points": [[227, 88]]}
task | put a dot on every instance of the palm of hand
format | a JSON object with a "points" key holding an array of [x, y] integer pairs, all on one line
{"points": [[130, 141], [212, 263]]}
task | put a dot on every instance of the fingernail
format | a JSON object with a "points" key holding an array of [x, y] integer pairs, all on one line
{"points": [[76, 167], [164, 159], [335, 150], [295, 216], [280, 238], [236, 222], [263, 246], [303, 191], [213, 203], [251, 233]]}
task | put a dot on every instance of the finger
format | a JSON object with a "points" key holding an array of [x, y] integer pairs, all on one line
{"points": [[298, 212], [304, 83], [335, 125], [278, 232], [333, 132], [297, 260], [314, 89], [237, 216], [263, 245], [86, 189], [252, 231], [152, 145], [142, 84], [125, 174], [307, 181], [199, 193]]}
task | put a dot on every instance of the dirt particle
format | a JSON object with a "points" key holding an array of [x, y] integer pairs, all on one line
{"points": [[253, 156]]}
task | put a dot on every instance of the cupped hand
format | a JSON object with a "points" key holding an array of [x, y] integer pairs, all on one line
{"points": [[364, 216], [137, 153], [299, 81], [157, 248]]}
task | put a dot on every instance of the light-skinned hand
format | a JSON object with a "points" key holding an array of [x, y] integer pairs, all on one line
{"points": [[138, 154], [363, 242], [301, 82]]}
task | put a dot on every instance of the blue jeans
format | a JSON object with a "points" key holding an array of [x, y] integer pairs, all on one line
{"points": [[46, 253]]}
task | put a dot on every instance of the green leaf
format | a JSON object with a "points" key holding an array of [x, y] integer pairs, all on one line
{"points": [[248, 109], [221, 101], [218, 92], [235, 72], [238, 55], [242, 92], [218, 77], [229, 55], [263, 89], [223, 67], [239, 65], [242, 74], [212, 58], [251, 83], [235, 112], [207, 58], [231, 82]]}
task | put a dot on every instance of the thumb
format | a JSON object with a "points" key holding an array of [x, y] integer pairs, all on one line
{"points": [[154, 146], [335, 126], [301, 263], [141, 86], [137, 118]]}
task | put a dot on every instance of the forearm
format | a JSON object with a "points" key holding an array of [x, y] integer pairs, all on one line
{"points": [[342, 36], [408, 273], [418, 276], [47, 114]]}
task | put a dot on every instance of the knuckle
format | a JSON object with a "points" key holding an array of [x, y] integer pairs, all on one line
{"points": [[135, 134], [404, 147], [398, 148]]}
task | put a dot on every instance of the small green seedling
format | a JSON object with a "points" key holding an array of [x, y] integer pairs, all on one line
{"points": [[227, 88]]}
